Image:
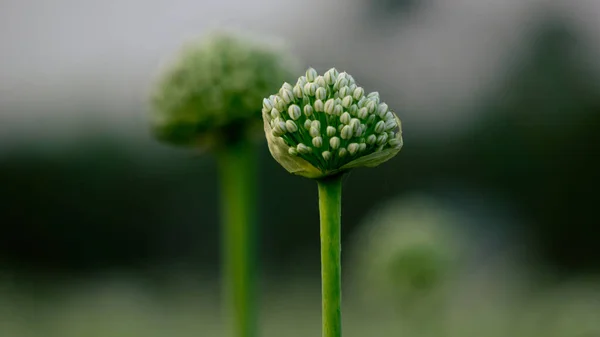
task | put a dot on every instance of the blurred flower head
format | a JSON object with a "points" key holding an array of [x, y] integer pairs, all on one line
{"points": [[405, 250], [212, 92], [326, 124]]}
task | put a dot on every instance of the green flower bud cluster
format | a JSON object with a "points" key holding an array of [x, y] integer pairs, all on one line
{"points": [[208, 96], [330, 122]]}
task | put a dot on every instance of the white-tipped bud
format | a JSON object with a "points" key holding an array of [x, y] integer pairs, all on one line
{"points": [[331, 76], [319, 106], [345, 118], [346, 132], [395, 142], [303, 149], [344, 91], [311, 74], [362, 147], [317, 142], [301, 81], [334, 142], [337, 110], [390, 124], [308, 110], [362, 113], [382, 139], [371, 106], [294, 112], [278, 130], [347, 101], [320, 81], [380, 127], [279, 103], [382, 109], [287, 86], [358, 93], [291, 126], [326, 155], [287, 95], [267, 104], [307, 124], [353, 110], [316, 125], [355, 124], [298, 91], [353, 148], [331, 131], [314, 132], [371, 139], [275, 113], [340, 83], [321, 93], [329, 106], [342, 152], [371, 119], [292, 151], [310, 89]]}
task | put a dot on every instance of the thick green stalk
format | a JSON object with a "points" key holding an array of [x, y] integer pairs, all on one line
{"points": [[238, 194], [330, 207]]}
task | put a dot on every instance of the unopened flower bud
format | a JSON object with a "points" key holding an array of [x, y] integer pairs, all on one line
{"points": [[338, 110], [320, 81], [287, 95], [344, 91], [298, 91], [326, 155], [292, 151], [370, 106], [347, 101], [342, 152], [395, 142], [362, 147], [345, 118], [303, 149], [319, 106], [382, 109], [362, 113], [380, 127], [275, 113], [317, 141], [334, 142], [291, 126], [331, 76], [329, 106], [371, 139], [311, 74], [279, 103], [353, 148], [310, 89], [390, 124], [294, 112], [382, 139], [321, 93], [316, 125], [355, 123], [346, 132], [267, 104], [307, 124], [330, 131], [314, 132], [353, 109], [308, 110], [371, 119]]}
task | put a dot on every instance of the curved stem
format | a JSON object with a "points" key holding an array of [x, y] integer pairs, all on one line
{"points": [[238, 190], [330, 207]]}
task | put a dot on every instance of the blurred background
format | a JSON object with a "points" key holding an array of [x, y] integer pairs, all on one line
{"points": [[485, 224]]}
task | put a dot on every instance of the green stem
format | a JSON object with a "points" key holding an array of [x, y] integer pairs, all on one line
{"points": [[238, 194], [330, 207]]}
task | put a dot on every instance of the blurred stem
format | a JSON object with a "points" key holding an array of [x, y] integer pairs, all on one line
{"points": [[330, 207], [237, 169]]}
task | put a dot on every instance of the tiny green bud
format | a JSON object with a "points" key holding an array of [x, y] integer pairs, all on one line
{"points": [[275, 113], [331, 76], [326, 155], [380, 127], [347, 101], [362, 113], [292, 151], [308, 110], [317, 141], [358, 93], [307, 124], [294, 112], [298, 91], [338, 110], [353, 148], [303, 149], [291, 126], [342, 152], [329, 105], [347, 132], [345, 118], [382, 139], [382, 109], [321, 93], [330, 131], [371, 139], [314, 132], [319, 106], [310, 89], [334, 142], [311, 74]]}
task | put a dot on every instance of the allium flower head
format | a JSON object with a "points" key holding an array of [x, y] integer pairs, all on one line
{"points": [[210, 94], [326, 124]]}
